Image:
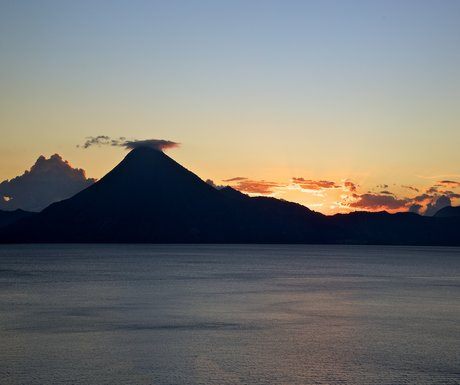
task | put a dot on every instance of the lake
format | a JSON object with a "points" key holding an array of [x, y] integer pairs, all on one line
{"points": [[229, 314]]}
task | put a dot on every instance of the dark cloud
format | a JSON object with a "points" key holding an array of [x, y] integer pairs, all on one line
{"points": [[386, 192], [309, 184], [415, 208], [422, 198], [440, 189], [452, 195], [382, 186], [235, 179], [104, 140], [377, 202], [100, 140], [433, 190], [437, 204], [350, 186], [410, 188], [451, 183], [47, 181], [157, 144]]}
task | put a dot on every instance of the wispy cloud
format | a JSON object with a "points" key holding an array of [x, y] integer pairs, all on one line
{"points": [[104, 140], [310, 184], [410, 188], [451, 183], [235, 179], [253, 186]]}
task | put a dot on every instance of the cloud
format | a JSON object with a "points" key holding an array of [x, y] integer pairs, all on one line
{"points": [[433, 190], [254, 186], [438, 190], [437, 205], [377, 202], [427, 203], [422, 198], [348, 196], [47, 181], [100, 140], [410, 188], [216, 186], [157, 144], [235, 179], [452, 195], [130, 144], [415, 208], [450, 183], [321, 185], [350, 186], [309, 184]]}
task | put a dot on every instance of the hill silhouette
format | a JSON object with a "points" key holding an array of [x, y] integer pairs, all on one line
{"points": [[9, 217], [149, 197], [448, 212]]}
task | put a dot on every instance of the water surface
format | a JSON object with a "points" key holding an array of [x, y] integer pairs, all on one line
{"points": [[149, 314]]}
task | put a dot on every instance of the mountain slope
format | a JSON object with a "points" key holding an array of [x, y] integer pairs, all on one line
{"points": [[448, 212], [9, 217], [149, 197], [395, 229]]}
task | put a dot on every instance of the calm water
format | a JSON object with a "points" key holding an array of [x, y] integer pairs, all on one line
{"points": [[229, 315]]}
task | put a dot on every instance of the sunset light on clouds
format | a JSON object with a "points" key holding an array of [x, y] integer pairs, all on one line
{"points": [[331, 197]]}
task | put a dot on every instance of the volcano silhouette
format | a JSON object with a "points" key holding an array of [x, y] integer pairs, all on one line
{"points": [[149, 197]]}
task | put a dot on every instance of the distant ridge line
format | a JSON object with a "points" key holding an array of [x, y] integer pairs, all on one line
{"points": [[150, 198]]}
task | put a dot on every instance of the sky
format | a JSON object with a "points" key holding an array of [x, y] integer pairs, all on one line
{"points": [[282, 95]]}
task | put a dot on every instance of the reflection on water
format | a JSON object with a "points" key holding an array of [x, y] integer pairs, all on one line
{"points": [[142, 314]]}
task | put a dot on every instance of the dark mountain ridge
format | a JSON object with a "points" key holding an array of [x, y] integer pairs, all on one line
{"points": [[9, 217], [151, 198], [448, 212]]}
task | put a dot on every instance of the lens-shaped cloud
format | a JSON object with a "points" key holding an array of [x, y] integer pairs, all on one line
{"points": [[130, 144]]}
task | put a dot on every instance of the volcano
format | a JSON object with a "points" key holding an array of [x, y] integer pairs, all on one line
{"points": [[149, 197]]}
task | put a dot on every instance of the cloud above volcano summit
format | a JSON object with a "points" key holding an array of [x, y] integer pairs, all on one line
{"points": [[130, 144]]}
